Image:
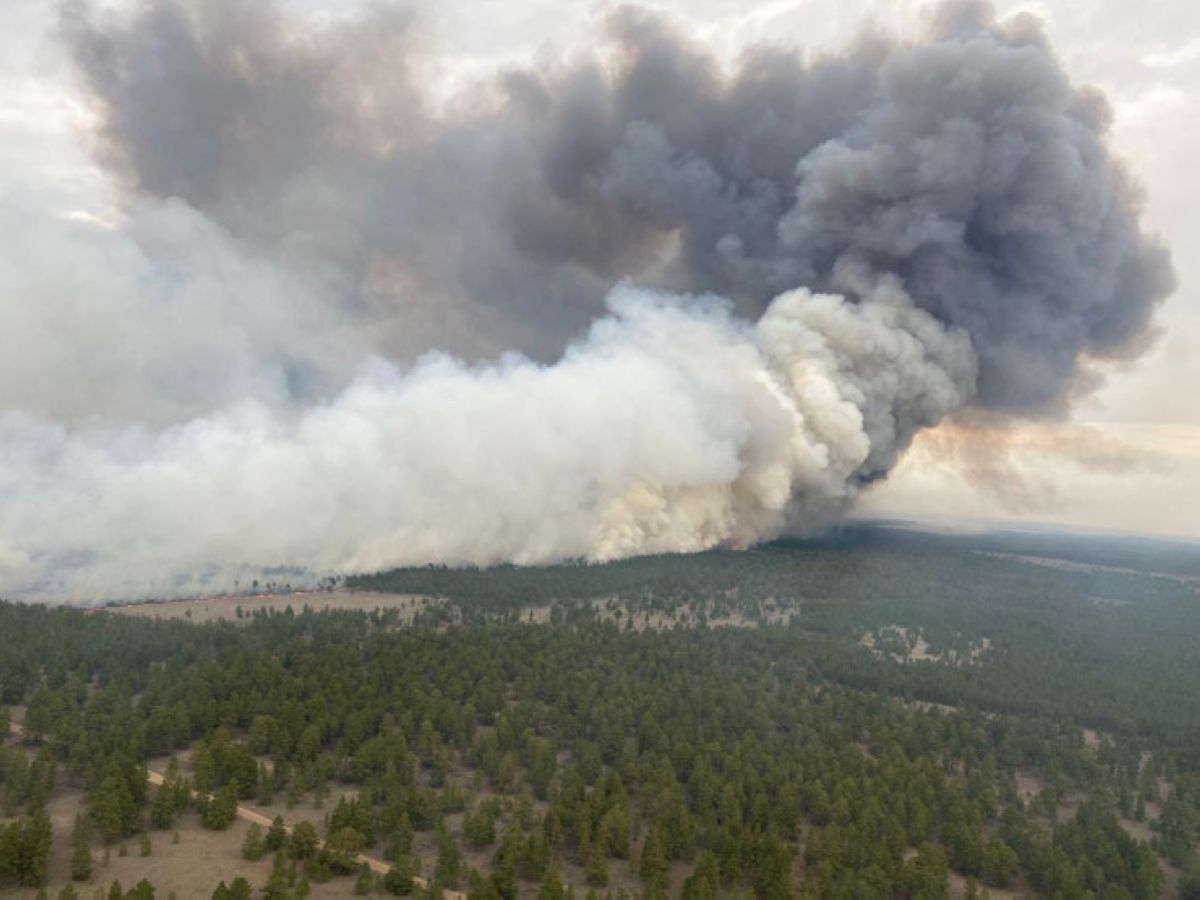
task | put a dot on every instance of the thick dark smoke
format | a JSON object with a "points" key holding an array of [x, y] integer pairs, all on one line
{"points": [[912, 226], [966, 165]]}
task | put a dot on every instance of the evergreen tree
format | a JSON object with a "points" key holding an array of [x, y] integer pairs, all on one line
{"points": [[704, 881], [276, 835], [479, 827], [265, 793], [402, 838], [364, 883], [1000, 863], [399, 878], [449, 859], [304, 840], [596, 865], [253, 846], [342, 849], [552, 886], [219, 813], [773, 873], [81, 862], [653, 868], [112, 807], [276, 887]]}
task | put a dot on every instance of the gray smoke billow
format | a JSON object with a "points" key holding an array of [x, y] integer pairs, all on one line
{"points": [[730, 298]]}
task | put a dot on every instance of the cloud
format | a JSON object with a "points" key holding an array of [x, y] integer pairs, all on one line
{"points": [[1119, 476]]}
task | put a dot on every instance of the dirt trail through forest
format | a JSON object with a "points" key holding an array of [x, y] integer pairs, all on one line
{"points": [[378, 866]]}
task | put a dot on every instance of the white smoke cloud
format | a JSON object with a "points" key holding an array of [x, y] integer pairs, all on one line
{"points": [[670, 426], [155, 318]]}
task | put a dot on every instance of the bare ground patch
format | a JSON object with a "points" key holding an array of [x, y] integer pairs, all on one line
{"points": [[904, 645], [213, 609], [957, 886]]}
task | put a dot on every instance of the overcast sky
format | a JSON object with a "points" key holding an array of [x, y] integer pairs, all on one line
{"points": [[1128, 458]]}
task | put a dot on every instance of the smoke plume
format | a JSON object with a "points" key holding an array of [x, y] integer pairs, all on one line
{"points": [[631, 301]]}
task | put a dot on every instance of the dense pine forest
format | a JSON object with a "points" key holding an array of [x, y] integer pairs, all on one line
{"points": [[887, 714]]}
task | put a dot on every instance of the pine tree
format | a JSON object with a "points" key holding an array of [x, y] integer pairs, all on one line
{"points": [[365, 882], [304, 840], [596, 865], [35, 849], [614, 831], [276, 835], [253, 846], [704, 881], [504, 867], [1000, 863], [219, 813], [772, 877], [402, 838], [276, 887], [552, 886], [204, 767], [399, 878], [342, 849], [265, 794], [162, 813], [110, 806], [479, 828], [81, 862], [653, 868], [449, 859], [295, 790]]}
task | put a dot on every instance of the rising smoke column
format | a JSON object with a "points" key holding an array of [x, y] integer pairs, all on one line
{"points": [[671, 426], [898, 231]]}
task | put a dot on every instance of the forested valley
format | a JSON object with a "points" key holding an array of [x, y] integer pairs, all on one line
{"points": [[887, 714]]}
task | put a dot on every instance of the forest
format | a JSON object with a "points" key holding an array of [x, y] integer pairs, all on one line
{"points": [[886, 713]]}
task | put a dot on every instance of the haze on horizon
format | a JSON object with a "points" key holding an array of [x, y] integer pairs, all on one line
{"points": [[216, 287]]}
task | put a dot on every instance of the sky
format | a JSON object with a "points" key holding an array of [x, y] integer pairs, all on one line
{"points": [[1123, 457]]}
